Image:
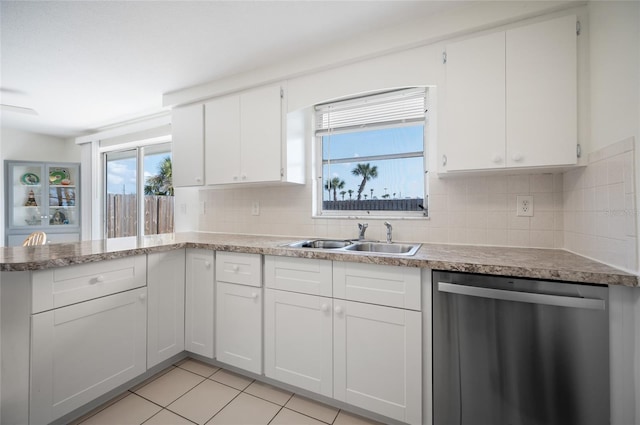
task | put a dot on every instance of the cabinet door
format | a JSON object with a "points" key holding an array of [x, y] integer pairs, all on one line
{"points": [[261, 134], [378, 359], [199, 302], [187, 133], [166, 274], [82, 351], [298, 340], [474, 104], [239, 326], [541, 97], [222, 140]]}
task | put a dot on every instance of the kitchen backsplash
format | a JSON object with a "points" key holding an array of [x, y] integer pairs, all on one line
{"points": [[600, 217], [463, 210], [589, 210]]}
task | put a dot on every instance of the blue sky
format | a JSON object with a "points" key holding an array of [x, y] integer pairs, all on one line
{"points": [[121, 173], [404, 177]]}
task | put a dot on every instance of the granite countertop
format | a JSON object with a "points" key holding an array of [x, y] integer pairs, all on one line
{"points": [[547, 264]]}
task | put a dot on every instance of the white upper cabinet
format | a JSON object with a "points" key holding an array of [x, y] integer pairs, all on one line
{"points": [[187, 133], [222, 121], [475, 103], [511, 99], [245, 139], [542, 90]]}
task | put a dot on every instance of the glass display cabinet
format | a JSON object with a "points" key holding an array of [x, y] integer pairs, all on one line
{"points": [[42, 196]]}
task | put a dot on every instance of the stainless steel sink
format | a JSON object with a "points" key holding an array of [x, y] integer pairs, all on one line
{"points": [[386, 248], [321, 244], [356, 246]]}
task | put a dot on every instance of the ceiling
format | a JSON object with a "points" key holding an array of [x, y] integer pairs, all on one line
{"points": [[85, 65]]}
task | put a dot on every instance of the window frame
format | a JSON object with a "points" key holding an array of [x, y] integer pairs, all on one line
{"points": [[139, 148], [318, 163]]}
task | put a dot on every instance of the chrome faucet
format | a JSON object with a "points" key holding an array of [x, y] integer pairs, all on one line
{"points": [[363, 228], [389, 229]]}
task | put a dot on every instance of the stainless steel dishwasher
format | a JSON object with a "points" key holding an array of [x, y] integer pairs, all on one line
{"points": [[519, 351]]}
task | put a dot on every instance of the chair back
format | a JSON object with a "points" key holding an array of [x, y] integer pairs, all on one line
{"points": [[36, 238]]}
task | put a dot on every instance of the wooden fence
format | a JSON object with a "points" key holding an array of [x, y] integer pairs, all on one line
{"points": [[122, 215]]}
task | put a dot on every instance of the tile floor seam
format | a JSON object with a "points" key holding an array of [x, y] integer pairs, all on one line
{"points": [[223, 407], [150, 401], [265, 399], [226, 385], [180, 396], [177, 414], [308, 416], [276, 415]]}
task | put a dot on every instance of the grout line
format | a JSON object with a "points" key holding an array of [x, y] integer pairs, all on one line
{"points": [[223, 407], [274, 416], [171, 411]]}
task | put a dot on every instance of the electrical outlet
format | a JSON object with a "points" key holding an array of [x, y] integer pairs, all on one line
{"points": [[203, 208], [524, 206], [255, 208]]}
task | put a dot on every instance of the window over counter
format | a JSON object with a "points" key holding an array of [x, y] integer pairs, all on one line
{"points": [[371, 155]]}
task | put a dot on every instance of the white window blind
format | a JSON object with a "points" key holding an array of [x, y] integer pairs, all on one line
{"points": [[398, 107]]}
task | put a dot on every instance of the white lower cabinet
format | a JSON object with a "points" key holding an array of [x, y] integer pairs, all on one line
{"points": [[199, 302], [358, 346], [239, 326], [298, 346], [81, 351], [378, 359], [165, 326]]}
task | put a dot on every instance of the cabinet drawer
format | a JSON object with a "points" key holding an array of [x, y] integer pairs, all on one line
{"points": [[394, 286], [63, 286], [304, 275], [235, 267]]}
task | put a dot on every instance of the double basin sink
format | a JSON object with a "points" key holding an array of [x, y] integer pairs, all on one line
{"points": [[358, 246]]}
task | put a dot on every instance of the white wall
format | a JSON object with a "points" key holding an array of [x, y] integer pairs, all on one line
{"points": [[26, 146]]}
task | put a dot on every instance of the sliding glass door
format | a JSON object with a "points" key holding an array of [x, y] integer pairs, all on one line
{"points": [[139, 191]]}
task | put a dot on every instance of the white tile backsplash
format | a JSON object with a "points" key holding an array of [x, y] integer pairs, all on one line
{"points": [[588, 210], [464, 210], [600, 219]]}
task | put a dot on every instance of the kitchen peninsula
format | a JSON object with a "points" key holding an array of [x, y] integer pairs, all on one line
{"points": [[83, 321]]}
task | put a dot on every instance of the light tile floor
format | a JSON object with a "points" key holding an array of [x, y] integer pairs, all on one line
{"points": [[191, 392]]}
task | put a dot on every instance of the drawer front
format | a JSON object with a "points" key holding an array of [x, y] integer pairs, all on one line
{"points": [[235, 267], [304, 275], [64, 286], [392, 286]]}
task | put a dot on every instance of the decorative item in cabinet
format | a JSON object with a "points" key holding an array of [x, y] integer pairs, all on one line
{"points": [[59, 176], [30, 179], [31, 200]]}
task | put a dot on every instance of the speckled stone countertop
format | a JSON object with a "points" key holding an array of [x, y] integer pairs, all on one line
{"points": [[547, 264]]}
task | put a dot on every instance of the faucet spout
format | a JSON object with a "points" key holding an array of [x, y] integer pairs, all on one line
{"points": [[389, 230], [363, 228]]}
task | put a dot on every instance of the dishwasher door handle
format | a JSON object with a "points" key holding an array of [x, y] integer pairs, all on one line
{"points": [[523, 297]]}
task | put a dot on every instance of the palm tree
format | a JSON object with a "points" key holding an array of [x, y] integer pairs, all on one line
{"points": [[333, 185], [350, 192], [342, 193], [367, 172], [161, 183]]}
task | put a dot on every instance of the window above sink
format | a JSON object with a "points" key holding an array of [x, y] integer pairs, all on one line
{"points": [[370, 154]]}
